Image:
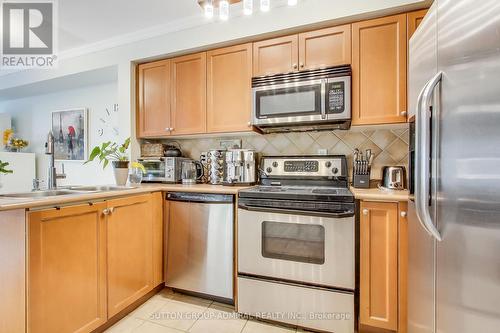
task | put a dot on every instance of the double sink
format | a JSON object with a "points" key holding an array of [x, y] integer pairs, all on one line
{"points": [[70, 190]]}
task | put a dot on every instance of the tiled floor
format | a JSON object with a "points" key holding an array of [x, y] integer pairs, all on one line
{"points": [[169, 312]]}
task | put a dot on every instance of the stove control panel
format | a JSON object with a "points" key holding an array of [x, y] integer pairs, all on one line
{"points": [[326, 166]]}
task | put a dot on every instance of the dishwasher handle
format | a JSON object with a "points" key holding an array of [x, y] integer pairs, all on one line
{"points": [[210, 198]]}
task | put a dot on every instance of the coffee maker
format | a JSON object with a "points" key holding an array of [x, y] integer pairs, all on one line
{"points": [[240, 167]]}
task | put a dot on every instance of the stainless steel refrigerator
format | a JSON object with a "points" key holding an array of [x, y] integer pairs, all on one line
{"points": [[454, 224]]}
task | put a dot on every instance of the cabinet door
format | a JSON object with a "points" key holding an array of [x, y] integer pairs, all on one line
{"points": [[379, 265], [153, 115], [229, 72], [130, 257], [158, 237], [324, 48], [189, 83], [278, 55], [379, 71], [67, 269], [414, 20]]}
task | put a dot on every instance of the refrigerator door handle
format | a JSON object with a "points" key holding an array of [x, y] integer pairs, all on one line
{"points": [[422, 154]]}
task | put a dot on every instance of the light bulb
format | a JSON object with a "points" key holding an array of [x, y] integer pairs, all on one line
{"points": [[209, 9], [292, 2], [224, 10], [265, 5], [247, 7]]}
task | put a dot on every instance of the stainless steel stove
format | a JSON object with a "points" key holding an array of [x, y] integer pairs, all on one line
{"points": [[296, 244]]}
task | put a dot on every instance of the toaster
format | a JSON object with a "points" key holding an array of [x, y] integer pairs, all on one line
{"points": [[393, 178]]}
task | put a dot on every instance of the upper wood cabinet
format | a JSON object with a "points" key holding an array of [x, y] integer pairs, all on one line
{"points": [[324, 48], [188, 94], [229, 76], [130, 250], [414, 20], [379, 265], [67, 269], [278, 55], [379, 50], [153, 93], [309, 50]]}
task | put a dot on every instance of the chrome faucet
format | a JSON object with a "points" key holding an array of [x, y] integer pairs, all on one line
{"points": [[52, 175]]}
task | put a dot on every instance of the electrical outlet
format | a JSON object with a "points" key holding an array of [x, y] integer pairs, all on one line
{"points": [[322, 151]]}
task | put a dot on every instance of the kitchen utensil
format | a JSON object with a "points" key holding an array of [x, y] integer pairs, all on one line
{"points": [[361, 168], [173, 150], [191, 171], [393, 178], [216, 164]]}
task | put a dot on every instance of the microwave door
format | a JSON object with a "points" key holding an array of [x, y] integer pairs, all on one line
{"points": [[289, 103]]}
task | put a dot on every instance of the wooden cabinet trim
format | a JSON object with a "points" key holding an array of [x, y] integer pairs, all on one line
{"points": [[229, 108], [413, 20]]}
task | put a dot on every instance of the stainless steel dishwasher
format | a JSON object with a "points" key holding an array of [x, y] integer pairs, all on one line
{"points": [[200, 244]]}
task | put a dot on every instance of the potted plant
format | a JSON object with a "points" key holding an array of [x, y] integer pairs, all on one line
{"points": [[117, 155]]}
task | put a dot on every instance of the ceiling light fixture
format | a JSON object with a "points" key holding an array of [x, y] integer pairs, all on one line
{"points": [[224, 10], [247, 7], [292, 2], [209, 9], [265, 5]]}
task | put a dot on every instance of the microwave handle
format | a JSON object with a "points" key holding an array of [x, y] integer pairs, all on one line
{"points": [[323, 98]]}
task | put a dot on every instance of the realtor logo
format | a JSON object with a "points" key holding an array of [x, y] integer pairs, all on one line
{"points": [[28, 34]]}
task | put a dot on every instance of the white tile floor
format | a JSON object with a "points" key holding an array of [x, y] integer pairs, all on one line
{"points": [[169, 312]]}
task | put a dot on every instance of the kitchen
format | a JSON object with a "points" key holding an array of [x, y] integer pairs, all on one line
{"points": [[277, 166]]}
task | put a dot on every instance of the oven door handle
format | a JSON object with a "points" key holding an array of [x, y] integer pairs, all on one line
{"points": [[345, 213]]}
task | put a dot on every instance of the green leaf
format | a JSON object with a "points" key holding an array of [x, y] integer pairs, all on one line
{"points": [[96, 151], [106, 162]]}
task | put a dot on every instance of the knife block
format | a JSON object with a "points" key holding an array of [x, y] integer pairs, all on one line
{"points": [[361, 181]]}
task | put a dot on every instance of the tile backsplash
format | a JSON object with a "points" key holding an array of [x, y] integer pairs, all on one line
{"points": [[389, 144]]}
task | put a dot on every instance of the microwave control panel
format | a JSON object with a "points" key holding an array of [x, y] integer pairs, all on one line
{"points": [[335, 96]]}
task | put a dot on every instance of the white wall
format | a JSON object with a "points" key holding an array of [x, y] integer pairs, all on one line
{"points": [[31, 118]]}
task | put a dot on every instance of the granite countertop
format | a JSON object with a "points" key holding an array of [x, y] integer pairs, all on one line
{"points": [[28, 203]]}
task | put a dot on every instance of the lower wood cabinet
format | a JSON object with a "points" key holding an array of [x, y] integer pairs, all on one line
{"points": [[382, 264], [67, 269], [86, 263], [130, 251]]}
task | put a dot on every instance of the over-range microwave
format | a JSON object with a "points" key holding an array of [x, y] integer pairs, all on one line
{"points": [[306, 100]]}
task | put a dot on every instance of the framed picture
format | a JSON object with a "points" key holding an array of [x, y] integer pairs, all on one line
{"points": [[70, 129]]}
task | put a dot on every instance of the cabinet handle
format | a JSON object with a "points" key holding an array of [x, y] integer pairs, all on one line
{"points": [[365, 211], [171, 129], [106, 211], [295, 66], [403, 113], [302, 65], [249, 124], [404, 214]]}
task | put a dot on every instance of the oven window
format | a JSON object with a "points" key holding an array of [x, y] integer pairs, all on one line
{"points": [[293, 242], [154, 168], [289, 102]]}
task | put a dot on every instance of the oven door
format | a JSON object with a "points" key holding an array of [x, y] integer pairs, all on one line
{"points": [[289, 103], [155, 170], [313, 250]]}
